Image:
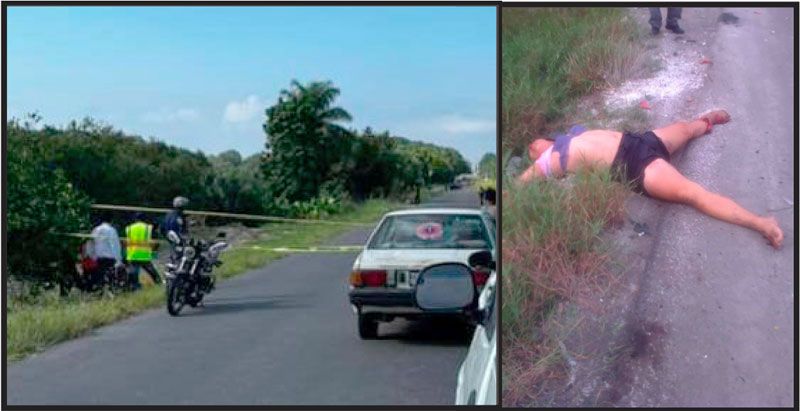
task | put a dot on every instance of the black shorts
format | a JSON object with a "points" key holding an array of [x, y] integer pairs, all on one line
{"points": [[636, 151]]}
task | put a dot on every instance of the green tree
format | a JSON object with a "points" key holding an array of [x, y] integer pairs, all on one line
{"points": [[112, 167], [235, 184], [374, 165], [487, 166], [304, 140]]}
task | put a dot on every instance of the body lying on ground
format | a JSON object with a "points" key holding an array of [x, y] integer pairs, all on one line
{"points": [[643, 161]]}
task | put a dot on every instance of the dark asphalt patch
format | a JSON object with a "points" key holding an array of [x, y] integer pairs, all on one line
{"points": [[644, 344], [644, 341], [728, 18]]}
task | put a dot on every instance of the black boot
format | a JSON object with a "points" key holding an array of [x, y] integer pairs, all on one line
{"points": [[654, 30], [674, 28]]}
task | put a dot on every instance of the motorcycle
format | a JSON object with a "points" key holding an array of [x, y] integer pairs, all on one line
{"points": [[93, 279], [189, 274]]}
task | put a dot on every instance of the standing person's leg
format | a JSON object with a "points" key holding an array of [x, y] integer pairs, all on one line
{"points": [[664, 182], [655, 19], [673, 15], [103, 267], [133, 275], [151, 269]]}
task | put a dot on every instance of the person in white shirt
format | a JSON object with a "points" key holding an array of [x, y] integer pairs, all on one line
{"points": [[106, 248]]}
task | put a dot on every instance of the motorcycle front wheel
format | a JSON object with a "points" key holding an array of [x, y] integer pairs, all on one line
{"points": [[175, 296]]}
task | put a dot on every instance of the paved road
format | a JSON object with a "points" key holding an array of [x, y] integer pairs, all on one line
{"points": [[283, 334], [717, 302]]}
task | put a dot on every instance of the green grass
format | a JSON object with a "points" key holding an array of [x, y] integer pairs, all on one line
{"points": [[548, 227], [554, 56], [552, 253], [53, 319], [553, 59]]}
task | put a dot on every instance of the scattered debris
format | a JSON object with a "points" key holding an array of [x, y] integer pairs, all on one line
{"points": [[705, 60], [676, 75], [570, 361], [640, 228]]}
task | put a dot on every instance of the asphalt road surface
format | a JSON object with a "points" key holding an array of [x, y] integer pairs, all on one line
{"points": [[280, 335], [716, 299]]}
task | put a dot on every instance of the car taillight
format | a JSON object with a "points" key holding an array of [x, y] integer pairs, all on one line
{"points": [[480, 277], [368, 278], [355, 279]]}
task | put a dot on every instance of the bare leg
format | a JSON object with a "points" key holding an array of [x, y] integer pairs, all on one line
{"points": [[676, 135], [663, 181]]}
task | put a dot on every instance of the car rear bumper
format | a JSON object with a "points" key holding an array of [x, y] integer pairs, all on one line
{"points": [[390, 303], [382, 297]]}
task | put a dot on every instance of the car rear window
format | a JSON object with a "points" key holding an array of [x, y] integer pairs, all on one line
{"points": [[431, 231]]}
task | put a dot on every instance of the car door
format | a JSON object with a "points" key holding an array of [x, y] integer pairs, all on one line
{"points": [[477, 379]]}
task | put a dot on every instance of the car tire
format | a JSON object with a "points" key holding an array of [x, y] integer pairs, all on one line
{"points": [[367, 327]]}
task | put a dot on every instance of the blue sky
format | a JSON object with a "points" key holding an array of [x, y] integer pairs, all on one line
{"points": [[201, 77]]}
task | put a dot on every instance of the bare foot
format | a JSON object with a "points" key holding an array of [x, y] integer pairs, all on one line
{"points": [[772, 232], [715, 117]]}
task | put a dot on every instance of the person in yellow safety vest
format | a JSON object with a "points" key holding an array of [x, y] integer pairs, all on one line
{"points": [[139, 249]]}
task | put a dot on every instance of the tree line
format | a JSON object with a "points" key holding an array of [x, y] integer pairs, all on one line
{"points": [[311, 165]]}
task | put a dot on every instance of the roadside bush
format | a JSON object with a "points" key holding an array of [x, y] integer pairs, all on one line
{"points": [[42, 204]]}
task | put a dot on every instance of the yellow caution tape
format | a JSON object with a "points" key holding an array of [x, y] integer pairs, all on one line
{"points": [[314, 249], [318, 249], [227, 215], [84, 235]]}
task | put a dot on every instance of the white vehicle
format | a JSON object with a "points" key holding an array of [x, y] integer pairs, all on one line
{"points": [[477, 376], [385, 277]]}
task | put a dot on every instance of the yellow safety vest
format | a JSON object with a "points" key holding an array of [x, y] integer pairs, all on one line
{"points": [[139, 236]]}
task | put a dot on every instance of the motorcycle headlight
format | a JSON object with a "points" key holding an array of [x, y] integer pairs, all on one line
{"points": [[189, 252]]}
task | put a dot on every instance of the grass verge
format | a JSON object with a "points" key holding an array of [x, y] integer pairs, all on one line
{"points": [[553, 258], [53, 319], [552, 253], [554, 56]]}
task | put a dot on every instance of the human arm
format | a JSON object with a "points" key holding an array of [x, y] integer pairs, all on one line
{"points": [[116, 247], [530, 174]]}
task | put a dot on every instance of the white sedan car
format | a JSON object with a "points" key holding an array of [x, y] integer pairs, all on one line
{"points": [[385, 275], [477, 376]]}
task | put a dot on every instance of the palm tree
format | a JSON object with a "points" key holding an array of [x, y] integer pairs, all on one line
{"points": [[305, 135]]}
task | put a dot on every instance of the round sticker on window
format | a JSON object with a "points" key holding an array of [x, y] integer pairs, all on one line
{"points": [[430, 231]]}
